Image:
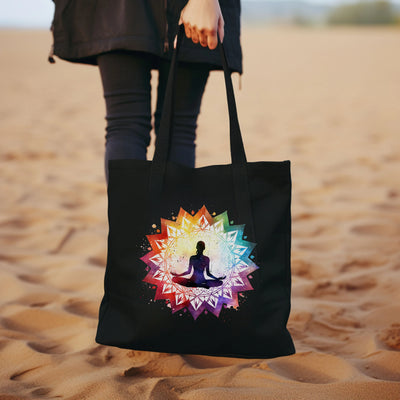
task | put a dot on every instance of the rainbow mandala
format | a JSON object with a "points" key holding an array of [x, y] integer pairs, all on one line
{"points": [[227, 258]]}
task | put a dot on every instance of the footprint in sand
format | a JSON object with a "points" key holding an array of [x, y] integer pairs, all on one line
{"points": [[307, 270], [98, 261], [384, 365], [83, 308], [39, 320], [72, 205], [13, 258], [299, 321], [100, 356], [313, 367], [28, 155], [31, 278], [358, 283], [303, 216], [355, 283], [174, 365], [361, 264], [17, 222], [42, 391], [39, 304], [376, 230], [370, 305], [314, 245], [391, 338], [17, 375], [48, 347], [39, 299]]}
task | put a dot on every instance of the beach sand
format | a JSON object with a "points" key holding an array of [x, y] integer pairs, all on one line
{"points": [[326, 99]]}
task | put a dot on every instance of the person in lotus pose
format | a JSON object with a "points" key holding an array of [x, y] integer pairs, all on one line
{"points": [[199, 263]]}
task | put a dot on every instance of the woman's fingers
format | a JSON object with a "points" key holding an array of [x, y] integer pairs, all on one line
{"points": [[203, 38], [188, 30], [212, 39], [195, 34]]}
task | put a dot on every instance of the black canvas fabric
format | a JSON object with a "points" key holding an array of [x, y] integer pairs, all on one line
{"points": [[228, 227]]}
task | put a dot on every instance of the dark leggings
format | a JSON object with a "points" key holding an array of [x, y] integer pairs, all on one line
{"points": [[126, 83]]}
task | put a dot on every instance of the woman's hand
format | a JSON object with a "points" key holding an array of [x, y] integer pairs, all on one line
{"points": [[202, 20]]}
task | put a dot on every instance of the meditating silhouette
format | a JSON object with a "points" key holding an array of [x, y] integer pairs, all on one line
{"points": [[198, 263]]}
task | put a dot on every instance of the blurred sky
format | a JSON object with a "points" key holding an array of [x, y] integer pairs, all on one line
{"points": [[39, 13]]}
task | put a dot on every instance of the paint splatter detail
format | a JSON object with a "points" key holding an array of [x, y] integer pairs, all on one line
{"points": [[199, 262]]}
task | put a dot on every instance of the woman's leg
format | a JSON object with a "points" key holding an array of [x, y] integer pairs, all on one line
{"points": [[191, 79], [126, 79]]}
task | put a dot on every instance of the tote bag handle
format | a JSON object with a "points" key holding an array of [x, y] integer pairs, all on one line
{"points": [[163, 140], [238, 155]]}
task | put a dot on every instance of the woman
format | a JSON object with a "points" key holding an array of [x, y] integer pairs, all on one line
{"points": [[129, 38], [199, 263]]}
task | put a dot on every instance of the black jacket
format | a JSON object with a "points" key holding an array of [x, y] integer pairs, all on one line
{"points": [[82, 29]]}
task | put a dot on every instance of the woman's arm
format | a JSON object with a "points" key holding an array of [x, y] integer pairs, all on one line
{"points": [[202, 20]]}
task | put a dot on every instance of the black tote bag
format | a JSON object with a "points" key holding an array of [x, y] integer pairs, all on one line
{"points": [[198, 259]]}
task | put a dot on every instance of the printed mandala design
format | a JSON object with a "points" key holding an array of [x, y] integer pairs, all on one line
{"points": [[199, 262]]}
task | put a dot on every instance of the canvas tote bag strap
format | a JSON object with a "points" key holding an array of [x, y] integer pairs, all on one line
{"points": [[238, 155], [163, 140]]}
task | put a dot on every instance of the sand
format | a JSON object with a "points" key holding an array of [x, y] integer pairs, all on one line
{"points": [[326, 99]]}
